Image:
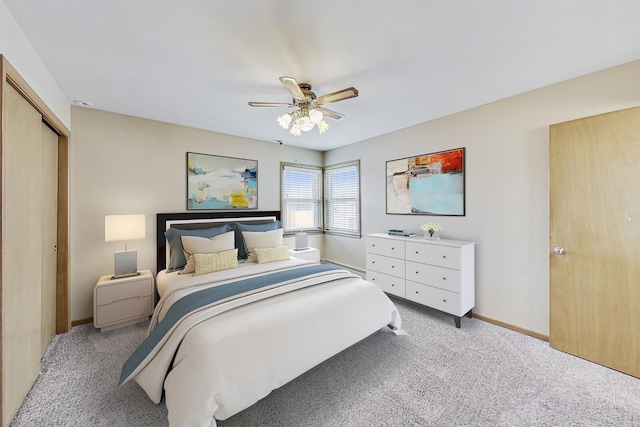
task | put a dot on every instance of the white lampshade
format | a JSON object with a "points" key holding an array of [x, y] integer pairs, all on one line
{"points": [[295, 130], [285, 120], [301, 219], [304, 123], [122, 228], [315, 116], [323, 126]]}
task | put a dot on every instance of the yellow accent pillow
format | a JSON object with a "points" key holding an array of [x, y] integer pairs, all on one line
{"points": [[279, 253], [216, 261]]}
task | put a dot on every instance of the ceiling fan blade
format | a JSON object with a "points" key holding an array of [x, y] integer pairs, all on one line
{"points": [[329, 113], [270, 104], [340, 95], [292, 85]]}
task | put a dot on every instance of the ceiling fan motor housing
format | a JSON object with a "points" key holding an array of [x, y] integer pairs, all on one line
{"points": [[306, 90]]}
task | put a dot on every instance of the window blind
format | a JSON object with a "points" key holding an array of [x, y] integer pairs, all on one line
{"points": [[342, 199], [302, 198]]}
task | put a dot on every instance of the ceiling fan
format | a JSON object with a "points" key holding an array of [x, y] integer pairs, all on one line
{"points": [[310, 111]]}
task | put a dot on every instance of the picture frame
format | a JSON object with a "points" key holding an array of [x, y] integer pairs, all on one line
{"points": [[427, 184], [221, 183]]}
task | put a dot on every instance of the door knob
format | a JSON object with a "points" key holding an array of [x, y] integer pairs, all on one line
{"points": [[559, 250]]}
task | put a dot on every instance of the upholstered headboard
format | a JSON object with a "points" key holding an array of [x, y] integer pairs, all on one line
{"points": [[197, 220]]}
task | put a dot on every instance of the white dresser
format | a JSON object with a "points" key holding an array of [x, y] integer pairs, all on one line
{"points": [[436, 273]]}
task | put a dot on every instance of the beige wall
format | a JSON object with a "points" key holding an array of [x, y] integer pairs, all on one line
{"points": [[507, 185], [127, 165], [121, 164], [19, 52]]}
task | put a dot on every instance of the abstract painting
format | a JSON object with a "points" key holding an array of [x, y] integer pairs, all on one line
{"points": [[429, 184], [218, 182]]}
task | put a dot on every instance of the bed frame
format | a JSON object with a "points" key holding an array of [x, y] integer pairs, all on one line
{"points": [[196, 220]]}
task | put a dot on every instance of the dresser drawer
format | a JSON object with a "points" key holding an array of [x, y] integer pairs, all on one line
{"points": [[387, 247], [390, 284], [108, 293], [442, 300], [443, 278], [123, 310], [443, 256], [387, 265]]}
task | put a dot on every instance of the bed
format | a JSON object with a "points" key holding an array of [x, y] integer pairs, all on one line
{"points": [[243, 318]]}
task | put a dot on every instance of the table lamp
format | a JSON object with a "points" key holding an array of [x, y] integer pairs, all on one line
{"points": [[301, 220], [123, 228]]}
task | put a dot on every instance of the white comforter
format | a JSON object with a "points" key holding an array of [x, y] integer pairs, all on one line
{"points": [[233, 355]]}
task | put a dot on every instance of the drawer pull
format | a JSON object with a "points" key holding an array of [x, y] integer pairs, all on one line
{"points": [[373, 262], [393, 284], [393, 266], [417, 292], [393, 249], [417, 252], [444, 278], [373, 245], [444, 300], [417, 272], [444, 256]]}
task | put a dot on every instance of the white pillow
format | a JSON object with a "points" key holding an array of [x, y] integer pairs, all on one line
{"points": [[201, 245], [261, 239]]}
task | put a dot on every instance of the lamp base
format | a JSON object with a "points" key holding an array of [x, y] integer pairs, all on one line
{"points": [[302, 241], [125, 264], [137, 273]]}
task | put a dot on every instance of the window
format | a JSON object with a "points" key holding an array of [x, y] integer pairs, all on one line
{"points": [[303, 204], [301, 198], [342, 199]]}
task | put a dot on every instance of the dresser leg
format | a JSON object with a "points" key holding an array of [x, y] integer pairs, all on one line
{"points": [[457, 320], [469, 314]]}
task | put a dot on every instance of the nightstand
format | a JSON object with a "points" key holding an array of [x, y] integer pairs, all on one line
{"points": [[121, 302], [310, 254]]}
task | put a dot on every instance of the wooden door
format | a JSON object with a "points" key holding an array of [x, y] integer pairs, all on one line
{"points": [[49, 146], [21, 249], [31, 214], [595, 217]]}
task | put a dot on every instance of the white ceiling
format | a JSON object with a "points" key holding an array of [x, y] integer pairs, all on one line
{"points": [[198, 62]]}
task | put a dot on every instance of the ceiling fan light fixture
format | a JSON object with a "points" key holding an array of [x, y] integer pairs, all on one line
{"points": [[323, 126], [285, 120], [309, 109], [304, 123], [315, 116]]}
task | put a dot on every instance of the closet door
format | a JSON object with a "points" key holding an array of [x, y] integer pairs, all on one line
{"points": [[21, 250], [49, 145]]}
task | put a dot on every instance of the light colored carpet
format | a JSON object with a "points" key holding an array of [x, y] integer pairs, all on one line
{"points": [[479, 375]]}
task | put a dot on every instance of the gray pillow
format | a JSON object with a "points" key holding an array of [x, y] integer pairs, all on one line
{"points": [[239, 228], [177, 260]]}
